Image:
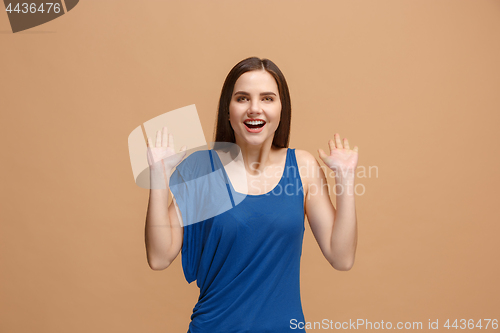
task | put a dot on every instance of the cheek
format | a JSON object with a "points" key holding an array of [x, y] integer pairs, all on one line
{"points": [[277, 115], [232, 114], [234, 110]]}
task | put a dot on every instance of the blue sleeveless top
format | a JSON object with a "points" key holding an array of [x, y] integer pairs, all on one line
{"points": [[246, 260]]}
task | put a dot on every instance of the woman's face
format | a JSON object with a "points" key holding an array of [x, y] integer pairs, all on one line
{"points": [[255, 108]]}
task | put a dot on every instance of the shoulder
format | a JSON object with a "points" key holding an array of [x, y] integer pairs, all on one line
{"points": [[197, 156], [308, 167], [195, 162], [305, 159]]}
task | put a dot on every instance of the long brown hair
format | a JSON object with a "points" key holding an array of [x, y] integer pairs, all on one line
{"points": [[224, 132]]}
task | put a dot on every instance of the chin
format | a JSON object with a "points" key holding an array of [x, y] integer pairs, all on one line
{"points": [[254, 141]]}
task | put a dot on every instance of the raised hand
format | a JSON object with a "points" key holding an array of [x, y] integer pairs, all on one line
{"points": [[341, 159], [163, 155]]}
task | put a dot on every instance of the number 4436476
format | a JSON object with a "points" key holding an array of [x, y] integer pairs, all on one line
{"points": [[471, 324], [32, 8]]}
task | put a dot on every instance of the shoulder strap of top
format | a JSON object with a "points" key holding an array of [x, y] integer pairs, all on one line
{"points": [[211, 160], [291, 164], [224, 175]]}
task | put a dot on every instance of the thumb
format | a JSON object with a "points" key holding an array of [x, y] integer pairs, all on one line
{"points": [[322, 154]]}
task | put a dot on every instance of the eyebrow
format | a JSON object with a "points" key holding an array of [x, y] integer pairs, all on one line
{"points": [[245, 93]]}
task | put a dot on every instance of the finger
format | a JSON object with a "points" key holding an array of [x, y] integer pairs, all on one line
{"points": [[337, 141], [150, 142], [346, 144], [322, 154], [171, 141], [158, 139], [164, 139], [355, 149], [331, 144]]}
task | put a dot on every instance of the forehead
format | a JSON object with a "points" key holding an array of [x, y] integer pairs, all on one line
{"points": [[259, 80]]}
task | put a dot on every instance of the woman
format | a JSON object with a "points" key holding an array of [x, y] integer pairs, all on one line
{"points": [[246, 260]]}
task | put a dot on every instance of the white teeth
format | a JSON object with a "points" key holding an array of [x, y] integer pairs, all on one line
{"points": [[256, 122]]}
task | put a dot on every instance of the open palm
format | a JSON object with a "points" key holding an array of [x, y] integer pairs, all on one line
{"points": [[164, 155], [341, 159]]}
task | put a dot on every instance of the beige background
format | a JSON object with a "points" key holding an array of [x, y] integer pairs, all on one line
{"points": [[413, 83]]}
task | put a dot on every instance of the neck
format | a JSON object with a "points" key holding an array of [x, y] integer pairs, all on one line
{"points": [[257, 157]]}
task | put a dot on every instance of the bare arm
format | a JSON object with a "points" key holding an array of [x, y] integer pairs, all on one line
{"points": [[335, 230], [164, 229]]}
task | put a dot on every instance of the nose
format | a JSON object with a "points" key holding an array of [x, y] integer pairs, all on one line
{"points": [[254, 107]]}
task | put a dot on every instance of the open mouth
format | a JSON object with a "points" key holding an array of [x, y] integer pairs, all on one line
{"points": [[253, 124]]}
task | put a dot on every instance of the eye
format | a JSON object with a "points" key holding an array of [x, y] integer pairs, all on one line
{"points": [[268, 98], [240, 98]]}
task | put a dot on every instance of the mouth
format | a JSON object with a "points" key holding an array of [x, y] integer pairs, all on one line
{"points": [[254, 126]]}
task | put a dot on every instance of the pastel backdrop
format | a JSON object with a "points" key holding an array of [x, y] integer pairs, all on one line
{"points": [[414, 84]]}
